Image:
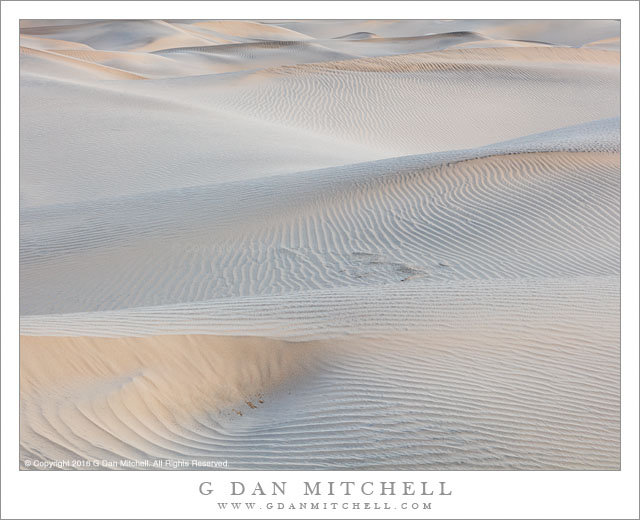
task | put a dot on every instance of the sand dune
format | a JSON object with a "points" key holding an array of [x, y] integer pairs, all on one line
{"points": [[558, 32], [363, 310], [408, 104], [250, 56], [361, 35], [379, 46], [321, 244], [65, 64], [392, 401], [238, 29], [611, 44], [288, 117], [141, 35], [81, 393], [145, 65], [301, 237], [486, 217], [45, 44]]}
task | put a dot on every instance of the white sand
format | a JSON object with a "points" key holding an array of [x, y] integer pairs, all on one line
{"points": [[415, 222]]}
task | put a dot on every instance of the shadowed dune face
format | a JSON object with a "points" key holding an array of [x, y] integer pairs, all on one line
{"points": [[321, 244]]}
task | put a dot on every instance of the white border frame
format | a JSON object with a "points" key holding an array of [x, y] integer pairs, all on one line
{"points": [[573, 494]]}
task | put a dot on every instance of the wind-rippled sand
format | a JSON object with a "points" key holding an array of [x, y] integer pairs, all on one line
{"points": [[321, 244]]}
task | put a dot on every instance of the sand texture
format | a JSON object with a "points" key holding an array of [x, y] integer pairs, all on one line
{"points": [[321, 244]]}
